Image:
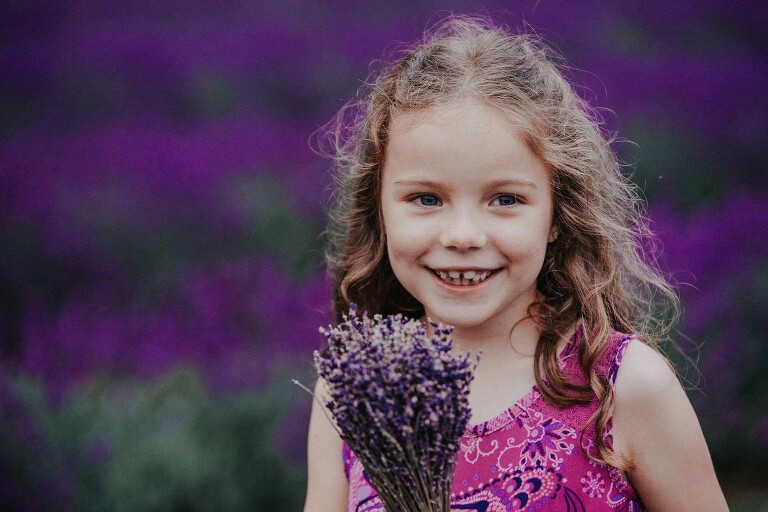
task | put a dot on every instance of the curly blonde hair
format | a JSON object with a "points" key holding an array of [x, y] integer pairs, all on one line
{"points": [[600, 271]]}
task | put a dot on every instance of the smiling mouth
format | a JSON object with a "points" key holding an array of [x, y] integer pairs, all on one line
{"points": [[463, 277]]}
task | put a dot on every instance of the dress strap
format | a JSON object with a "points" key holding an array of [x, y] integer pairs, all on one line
{"points": [[619, 343], [348, 457]]}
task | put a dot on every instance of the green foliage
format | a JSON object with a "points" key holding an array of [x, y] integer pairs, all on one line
{"points": [[168, 446], [212, 94], [273, 226], [742, 442], [27, 458], [667, 163], [748, 501]]}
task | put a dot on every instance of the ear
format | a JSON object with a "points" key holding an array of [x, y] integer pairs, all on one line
{"points": [[554, 232]]}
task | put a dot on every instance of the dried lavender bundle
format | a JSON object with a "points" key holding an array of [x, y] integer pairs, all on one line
{"points": [[400, 399]]}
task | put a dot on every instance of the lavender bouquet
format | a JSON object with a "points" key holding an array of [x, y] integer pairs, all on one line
{"points": [[400, 401]]}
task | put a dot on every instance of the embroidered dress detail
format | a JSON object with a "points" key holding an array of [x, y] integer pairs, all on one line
{"points": [[529, 456]]}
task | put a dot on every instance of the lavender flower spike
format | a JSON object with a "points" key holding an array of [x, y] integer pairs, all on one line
{"points": [[400, 399]]}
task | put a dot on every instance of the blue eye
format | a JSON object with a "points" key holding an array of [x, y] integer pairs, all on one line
{"points": [[426, 200], [507, 200]]}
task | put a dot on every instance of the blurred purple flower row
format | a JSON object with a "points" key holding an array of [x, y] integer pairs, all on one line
{"points": [[719, 258], [712, 249], [300, 62], [155, 162], [236, 323]]}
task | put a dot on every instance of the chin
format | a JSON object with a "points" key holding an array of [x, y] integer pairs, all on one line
{"points": [[458, 317]]}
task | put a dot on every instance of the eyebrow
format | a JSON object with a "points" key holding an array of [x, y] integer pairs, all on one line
{"points": [[490, 185]]}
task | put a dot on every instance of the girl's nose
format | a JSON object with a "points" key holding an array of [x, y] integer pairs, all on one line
{"points": [[463, 232]]}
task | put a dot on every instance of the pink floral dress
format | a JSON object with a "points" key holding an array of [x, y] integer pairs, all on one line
{"points": [[529, 457]]}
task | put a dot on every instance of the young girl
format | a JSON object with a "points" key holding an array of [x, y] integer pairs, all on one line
{"points": [[477, 191]]}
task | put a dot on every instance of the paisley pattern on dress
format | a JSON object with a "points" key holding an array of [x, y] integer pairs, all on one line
{"points": [[530, 457], [544, 441]]}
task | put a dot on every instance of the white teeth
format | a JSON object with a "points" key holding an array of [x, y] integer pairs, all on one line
{"points": [[465, 278]]}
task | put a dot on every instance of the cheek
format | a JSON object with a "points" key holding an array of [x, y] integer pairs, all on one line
{"points": [[524, 245], [403, 244], [406, 235], [406, 246], [403, 259]]}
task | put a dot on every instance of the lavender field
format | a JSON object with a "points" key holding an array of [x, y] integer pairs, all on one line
{"points": [[161, 275]]}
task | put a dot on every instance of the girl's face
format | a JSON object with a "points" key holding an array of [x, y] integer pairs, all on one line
{"points": [[467, 212]]}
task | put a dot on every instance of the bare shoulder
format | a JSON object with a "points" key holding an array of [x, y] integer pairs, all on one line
{"points": [[645, 374], [327, 485], [646, 386], [657, 431]]}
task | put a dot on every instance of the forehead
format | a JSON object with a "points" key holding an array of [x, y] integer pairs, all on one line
{"points": [[473, 114], [468, 141]]}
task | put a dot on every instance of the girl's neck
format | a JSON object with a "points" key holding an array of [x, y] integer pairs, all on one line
{"points": [[519, 338]]}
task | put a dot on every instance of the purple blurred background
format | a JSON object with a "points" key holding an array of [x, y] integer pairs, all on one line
{"points": [[160, 209]]}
